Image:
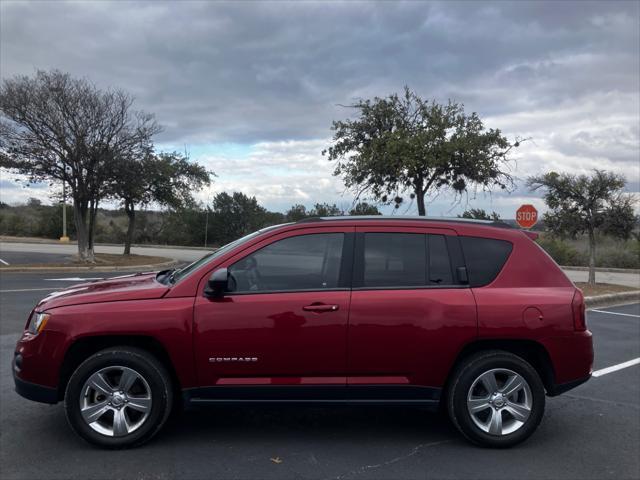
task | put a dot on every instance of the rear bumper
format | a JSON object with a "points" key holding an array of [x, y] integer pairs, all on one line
{"points": [[560, 388], [572, 359]]}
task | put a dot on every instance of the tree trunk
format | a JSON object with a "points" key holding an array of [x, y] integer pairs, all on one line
{"points": [[85, 249], [420, 191], [129, 209], [420, 200], [93, 211], [592, 258]]}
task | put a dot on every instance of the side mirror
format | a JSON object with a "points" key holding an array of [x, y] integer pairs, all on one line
{"points": [[218, 283], [463, 276]]}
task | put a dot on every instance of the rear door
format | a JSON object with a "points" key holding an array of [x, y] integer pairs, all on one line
{"points": [[410, 314]]}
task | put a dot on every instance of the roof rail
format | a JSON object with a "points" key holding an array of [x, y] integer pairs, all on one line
{"points": [[489, 223]]}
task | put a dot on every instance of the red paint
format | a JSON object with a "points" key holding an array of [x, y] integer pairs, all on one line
{"points": [[287, 340], [526, 216], [373, 337]]}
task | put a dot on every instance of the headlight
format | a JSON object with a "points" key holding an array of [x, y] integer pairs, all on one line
{"points": [[38, 322]]}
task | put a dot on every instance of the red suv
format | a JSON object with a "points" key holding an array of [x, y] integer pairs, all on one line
{"points": [[469, 315]]}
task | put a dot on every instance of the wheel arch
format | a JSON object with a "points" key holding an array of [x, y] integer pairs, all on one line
{"points": [[83, 347], [529, 350]]}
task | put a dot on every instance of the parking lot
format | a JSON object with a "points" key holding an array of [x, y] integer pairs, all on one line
{"points": [[590, 432]]}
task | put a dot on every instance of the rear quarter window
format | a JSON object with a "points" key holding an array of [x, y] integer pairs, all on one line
{"points": [[485, 258]]}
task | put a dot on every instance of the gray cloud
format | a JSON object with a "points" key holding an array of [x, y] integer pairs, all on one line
{"points": [[566, 73], [249, 71]]}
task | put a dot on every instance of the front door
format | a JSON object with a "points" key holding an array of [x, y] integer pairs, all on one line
{"points": [[284, 320]]}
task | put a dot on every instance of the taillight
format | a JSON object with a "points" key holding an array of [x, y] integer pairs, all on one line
{"points": [[579, 317]]}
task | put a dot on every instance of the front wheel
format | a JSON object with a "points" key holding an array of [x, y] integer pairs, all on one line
{"points": [[118, 398], [496, 399]]}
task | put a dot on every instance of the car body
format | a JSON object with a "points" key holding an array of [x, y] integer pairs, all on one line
{"points": [[337, 310]]}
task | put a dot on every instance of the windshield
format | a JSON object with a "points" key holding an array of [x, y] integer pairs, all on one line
{"points": [[192, 267]]}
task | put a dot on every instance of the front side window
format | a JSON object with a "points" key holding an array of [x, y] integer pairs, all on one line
{"points": [[192, 267], [305, 262]]}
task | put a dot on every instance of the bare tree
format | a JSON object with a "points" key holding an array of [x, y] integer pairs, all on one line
{"points": [[58, 128]]}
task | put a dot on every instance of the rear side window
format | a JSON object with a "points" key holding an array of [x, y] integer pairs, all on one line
{"points": [[395, 259], [484, 257], [439, 263]]}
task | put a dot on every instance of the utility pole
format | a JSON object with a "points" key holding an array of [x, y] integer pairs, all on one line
{"points": [[64, 238], [206, 225], [206, 217]]}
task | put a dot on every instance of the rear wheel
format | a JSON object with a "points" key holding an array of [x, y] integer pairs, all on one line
{"points": [[496, 399], [119, 397]]}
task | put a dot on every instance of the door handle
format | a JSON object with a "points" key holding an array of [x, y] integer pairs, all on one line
{"points": [[320, 307]]}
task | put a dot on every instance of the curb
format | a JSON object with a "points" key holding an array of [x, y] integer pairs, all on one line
{"points": [[603, 269], [114, 268], [612, 299]]}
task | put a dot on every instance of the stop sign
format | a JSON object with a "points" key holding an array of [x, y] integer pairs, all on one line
{"points": [[527, 216]]}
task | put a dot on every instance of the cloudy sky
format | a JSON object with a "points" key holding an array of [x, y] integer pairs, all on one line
{"points": [[250, 88]]}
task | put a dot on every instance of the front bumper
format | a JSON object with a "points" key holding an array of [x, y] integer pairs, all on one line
{"points": [[33, 391]]}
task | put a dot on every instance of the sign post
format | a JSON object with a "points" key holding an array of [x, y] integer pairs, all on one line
{"points": [[526, 216]]}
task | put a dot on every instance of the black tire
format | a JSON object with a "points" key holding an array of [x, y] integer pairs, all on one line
{"points": [[462, 381], [148, 368]]}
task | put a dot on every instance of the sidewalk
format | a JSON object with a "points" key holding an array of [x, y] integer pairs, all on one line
{"points": [[629, 279]]}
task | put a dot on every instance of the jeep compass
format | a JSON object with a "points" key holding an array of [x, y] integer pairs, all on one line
{"points": [[470, 316]]}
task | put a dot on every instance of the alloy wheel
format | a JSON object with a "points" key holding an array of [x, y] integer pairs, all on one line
{"points": [[115, 401], [499, 401]]}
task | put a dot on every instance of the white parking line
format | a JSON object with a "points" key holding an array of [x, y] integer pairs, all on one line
{"points": [[615, 368], [30, 290], [614, 313], [3, 262]]}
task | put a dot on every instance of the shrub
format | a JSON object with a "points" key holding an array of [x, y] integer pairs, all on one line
{"points": [[562, 252], [623, 255]]}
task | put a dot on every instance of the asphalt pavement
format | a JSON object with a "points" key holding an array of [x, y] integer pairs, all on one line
{"points": [[591, 432], [22, 258]]}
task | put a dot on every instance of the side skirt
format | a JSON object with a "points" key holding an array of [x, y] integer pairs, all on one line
{"points": [[313, 395]]}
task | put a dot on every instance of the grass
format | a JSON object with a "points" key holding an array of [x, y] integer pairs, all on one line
{"points": [[602, 289]]}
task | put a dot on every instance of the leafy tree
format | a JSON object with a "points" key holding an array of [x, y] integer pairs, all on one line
{"points": [[325, 210], [404, 143], [273, 218], [58, 128], [182, 227], [580, 204], [235, 215], [296, 213], [165, 179], [364, 208], [479, 214]]}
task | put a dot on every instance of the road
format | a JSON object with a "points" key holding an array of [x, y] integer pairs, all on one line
{"points": [[18, 253], [592, 432], [182, 254]]}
